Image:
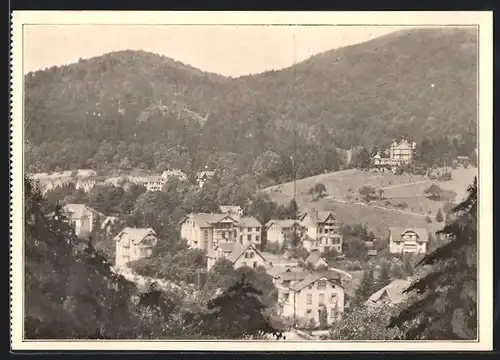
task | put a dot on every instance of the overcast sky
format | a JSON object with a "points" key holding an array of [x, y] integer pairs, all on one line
{"points": [[227, 50]]}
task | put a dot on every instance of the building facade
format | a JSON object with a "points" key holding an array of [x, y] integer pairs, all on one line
{"points": [[408, 240], [134, 244], [250, 231], [82, 218], [282, 232], [205, 231], [308, 297], [399, 153], [239, 255], [322, 232]]}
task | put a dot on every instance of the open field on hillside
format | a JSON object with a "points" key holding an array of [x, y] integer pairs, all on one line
{"points": [[338, 184], [413, 194], [379, 215], [378, 220]]}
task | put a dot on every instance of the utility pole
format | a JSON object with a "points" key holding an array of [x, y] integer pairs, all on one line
{"points": [[294, 148]]}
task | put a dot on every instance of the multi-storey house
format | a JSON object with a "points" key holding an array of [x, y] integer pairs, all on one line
{"points": [[307, 296], [82, 218], [399, 153], [204, 231], [322, 231], [134, 244], [282, 232], [408, 240], [402, 152], [250, 231]]}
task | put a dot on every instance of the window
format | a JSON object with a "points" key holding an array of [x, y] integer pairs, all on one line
{"points": [[321, 299], [235, 234], [308, 311], [246, 255], [333, 313], [255, 264], [249, 229], [257, 238], [310, 287], [333, 298], [249, 237], [205, 233], [321, 285], [309, 299], [286, 282], [252, 254], [286, 296]]}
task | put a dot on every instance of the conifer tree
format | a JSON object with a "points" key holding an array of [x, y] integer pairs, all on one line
{"points": [[237, 313], [439, 216], [408, 269], [384, 277], [70, 289], [446, 307], [366, 287]]}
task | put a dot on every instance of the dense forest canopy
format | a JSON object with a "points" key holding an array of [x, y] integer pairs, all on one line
{"points": [[137, 109]]}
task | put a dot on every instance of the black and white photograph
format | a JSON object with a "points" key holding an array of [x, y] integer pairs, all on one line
{"points": [[267, 181]]}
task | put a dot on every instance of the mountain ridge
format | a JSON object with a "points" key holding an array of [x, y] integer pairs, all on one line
{"points": [[414, 84]]}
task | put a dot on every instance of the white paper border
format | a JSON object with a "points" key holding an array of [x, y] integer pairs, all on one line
{"points": [[483, 19]]}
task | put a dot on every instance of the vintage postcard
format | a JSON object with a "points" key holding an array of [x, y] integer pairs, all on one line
{"points": [[251, 181]]}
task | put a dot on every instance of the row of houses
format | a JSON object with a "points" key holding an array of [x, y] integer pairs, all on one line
{"points": [[314, 230], [304, 294], [88, 179]]}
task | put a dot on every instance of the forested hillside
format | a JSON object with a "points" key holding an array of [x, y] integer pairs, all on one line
{"points": [[135, 109]]}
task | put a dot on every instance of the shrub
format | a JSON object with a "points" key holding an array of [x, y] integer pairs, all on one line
{"points": [[428, 219]]}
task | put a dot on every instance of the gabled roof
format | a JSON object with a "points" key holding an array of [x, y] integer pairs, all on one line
{"points": [[327, 275], [288, 223], [77, 211], [422, 233], [293, 275], [108, 220], [226, 246], [205, 173], [314, 257], [207, 220], [394, 292], [318, 216], [136, 234], [239, 249], [249, 221]]}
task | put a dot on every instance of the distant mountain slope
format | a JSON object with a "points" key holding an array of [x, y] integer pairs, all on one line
{"points": [[414, 84], [410, 83]]}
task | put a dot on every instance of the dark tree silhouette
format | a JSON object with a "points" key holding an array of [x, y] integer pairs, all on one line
{"points": [[238, 313], [447, 304]]}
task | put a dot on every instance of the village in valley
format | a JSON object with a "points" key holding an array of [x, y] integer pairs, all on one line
{"points": [[304, 254]]}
